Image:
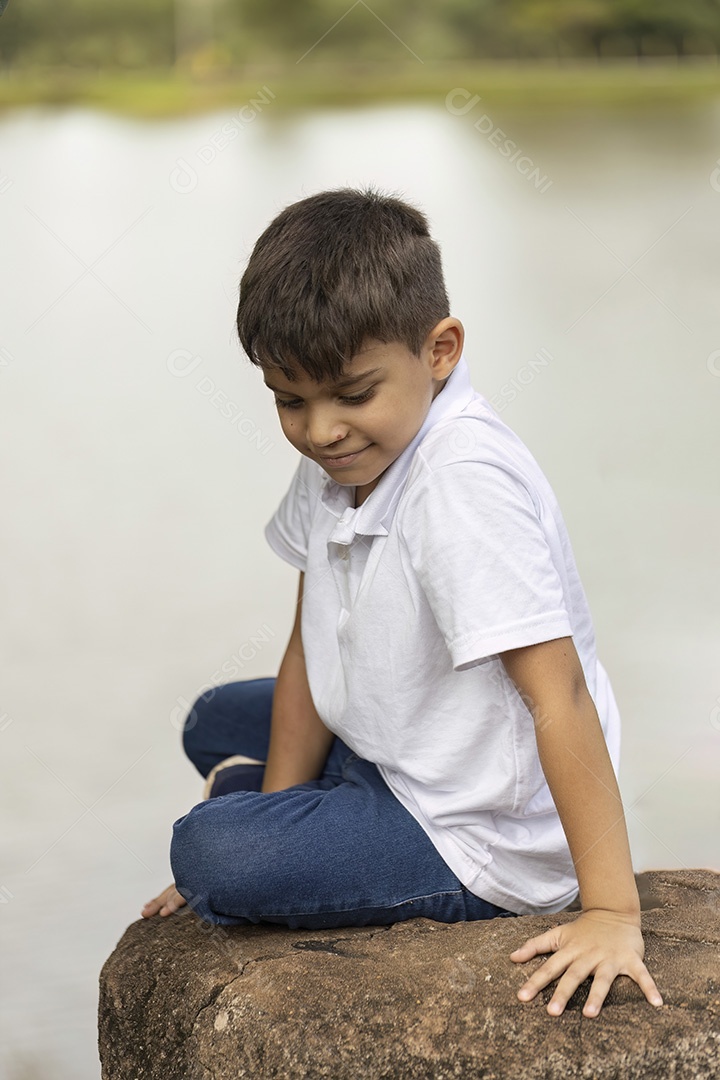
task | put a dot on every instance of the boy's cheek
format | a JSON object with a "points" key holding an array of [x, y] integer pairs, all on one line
{"points": [[291, 431]]}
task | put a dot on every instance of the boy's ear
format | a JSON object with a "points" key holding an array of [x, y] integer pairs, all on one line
{"points": [[444, 346]]}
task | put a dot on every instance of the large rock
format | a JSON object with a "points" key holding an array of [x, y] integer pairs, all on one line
{"points": [[182, 1000]]}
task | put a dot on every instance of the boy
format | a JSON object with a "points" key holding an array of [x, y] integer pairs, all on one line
{"points": [[440, 738]]}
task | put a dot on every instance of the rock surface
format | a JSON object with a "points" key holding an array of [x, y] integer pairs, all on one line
{"points": [[183, 1000]]}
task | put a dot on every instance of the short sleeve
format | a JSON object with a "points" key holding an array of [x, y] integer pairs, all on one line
{"points": [[478, 548], [288, 530]]}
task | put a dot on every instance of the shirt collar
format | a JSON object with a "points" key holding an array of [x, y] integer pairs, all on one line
{"points": [[374, 516]]}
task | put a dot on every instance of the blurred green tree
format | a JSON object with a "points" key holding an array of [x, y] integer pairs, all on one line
{"points": [[160, 33]]}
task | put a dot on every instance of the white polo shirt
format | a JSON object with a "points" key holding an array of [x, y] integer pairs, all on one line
{"points": [[459, 553]]}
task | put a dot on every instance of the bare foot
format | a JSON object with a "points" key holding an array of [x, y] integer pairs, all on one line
{"points": [[166, 903]]}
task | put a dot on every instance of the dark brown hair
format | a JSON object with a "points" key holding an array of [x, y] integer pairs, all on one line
{"points": [[334, 270]]}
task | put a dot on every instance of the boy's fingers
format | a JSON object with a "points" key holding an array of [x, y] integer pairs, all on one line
{"points": [[603, 981], [567, 986], [172, 903], [525, 952], [599, 991], [574, 975], [533, 946], [550, 970], [154, 905], [166, 903], [648, 985]]}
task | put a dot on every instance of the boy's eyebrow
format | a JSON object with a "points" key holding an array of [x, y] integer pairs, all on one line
{"points": [[339, 385]]}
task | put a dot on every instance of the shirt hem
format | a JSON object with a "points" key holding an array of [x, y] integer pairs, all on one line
{"points": [[487, 890], [477, 881]]}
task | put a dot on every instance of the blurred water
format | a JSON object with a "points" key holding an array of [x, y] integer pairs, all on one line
{"points": [[133, 560]]}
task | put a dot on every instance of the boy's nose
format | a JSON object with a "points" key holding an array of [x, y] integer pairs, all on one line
{"points": [[324, 432]]}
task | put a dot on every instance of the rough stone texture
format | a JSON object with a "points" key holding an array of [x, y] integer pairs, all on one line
{"points": [[181, 1000]]}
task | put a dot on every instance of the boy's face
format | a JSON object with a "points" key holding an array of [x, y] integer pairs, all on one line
{"points": [[355, 428]]}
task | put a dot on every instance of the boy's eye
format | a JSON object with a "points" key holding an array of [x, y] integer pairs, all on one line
{"points": [[355, 399]]}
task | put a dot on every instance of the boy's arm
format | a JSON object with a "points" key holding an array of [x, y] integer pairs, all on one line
{"points": [[605, 940], [299, 741]]}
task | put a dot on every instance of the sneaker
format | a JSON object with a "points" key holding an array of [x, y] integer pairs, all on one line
{"points": [[235, 773]]}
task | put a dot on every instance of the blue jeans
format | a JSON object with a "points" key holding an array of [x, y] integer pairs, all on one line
{"points": [[338, 851]]}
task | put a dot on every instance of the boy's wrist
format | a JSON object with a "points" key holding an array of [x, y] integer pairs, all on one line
{"points": [[622, 901], [630, 915]]}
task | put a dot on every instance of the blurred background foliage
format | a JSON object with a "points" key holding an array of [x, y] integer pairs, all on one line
{"points": [[163, 57], [218, 35]]}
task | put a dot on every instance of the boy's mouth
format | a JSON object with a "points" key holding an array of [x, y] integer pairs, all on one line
{"points": [[343, 459]]}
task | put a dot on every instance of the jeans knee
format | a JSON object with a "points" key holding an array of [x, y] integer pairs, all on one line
{"points": [[206, 864], [194, 730], [190, 855], [233, 718]]}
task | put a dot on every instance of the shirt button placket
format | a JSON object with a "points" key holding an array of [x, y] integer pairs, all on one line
{"points": [[343, 564]]}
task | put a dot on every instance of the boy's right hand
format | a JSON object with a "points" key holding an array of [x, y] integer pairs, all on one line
{"points": [[166, 903]]}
